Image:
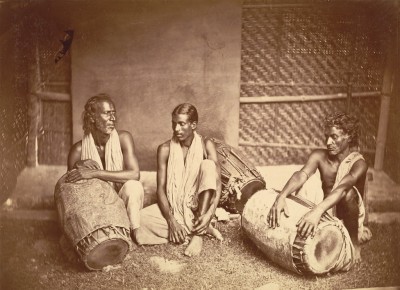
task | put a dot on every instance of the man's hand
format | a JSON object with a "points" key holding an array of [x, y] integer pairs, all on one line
{"points": [[87, 163], [201, 223], [79, 174], [176, 233], [308, 223], [274, 215]]}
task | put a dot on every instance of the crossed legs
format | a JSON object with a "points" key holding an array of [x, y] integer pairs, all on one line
{"points": [[154, 228], [196, 243]]}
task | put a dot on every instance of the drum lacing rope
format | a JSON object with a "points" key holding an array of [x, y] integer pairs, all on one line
{"points": [[342, 252]]}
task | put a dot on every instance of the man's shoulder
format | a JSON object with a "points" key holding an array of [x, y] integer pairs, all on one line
{"points": [[208, 140], [320, 154], [124, 134], [164, 146], [77, 146], [163, 150], [125, 138], [362, 163], [209, 145]]}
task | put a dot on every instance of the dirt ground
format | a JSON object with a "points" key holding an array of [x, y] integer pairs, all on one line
{"points": [[31, 258]]}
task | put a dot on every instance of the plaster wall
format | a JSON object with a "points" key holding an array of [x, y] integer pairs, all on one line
{"points": [[152, 55]]}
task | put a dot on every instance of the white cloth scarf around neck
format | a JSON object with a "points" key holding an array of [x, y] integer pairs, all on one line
{"points": [[182, 180], [113, 152]]}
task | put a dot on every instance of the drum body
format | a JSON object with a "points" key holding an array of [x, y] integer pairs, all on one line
{"points": [[330, 250], [94, 220], [239, 178]]}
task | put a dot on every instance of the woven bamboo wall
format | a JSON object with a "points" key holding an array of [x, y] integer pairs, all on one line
{"points": [[314, 48], [13, 105], [55, 141], [55, 136], [13, 137]]}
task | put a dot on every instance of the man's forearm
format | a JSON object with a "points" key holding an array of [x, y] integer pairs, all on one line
{"points": [[331, 200], [295, 182], [164, 206], [118, 176]]}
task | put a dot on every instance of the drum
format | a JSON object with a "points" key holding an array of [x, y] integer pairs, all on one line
{"points": [[239, 178], [330, 250], [94, 220]]}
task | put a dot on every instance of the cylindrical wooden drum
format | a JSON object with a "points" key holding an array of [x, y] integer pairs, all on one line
{"points": [[239, 178], [330, 250], [94, 220]]}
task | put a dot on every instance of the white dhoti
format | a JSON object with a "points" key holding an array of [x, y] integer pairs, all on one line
{"points": [[154, 228]]}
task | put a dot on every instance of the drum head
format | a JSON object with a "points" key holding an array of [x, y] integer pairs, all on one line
{"points": [[322, 252], [248, 189], [109, 252]]}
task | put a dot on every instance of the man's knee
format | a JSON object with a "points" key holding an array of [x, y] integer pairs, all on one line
{"points": [[351, 196], [132, 187], [208, 176], [348, 206], [207, 166]]}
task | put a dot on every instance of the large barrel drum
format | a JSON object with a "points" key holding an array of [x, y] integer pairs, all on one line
{"points": [[239, 178], [94, 220], [330, 250]]}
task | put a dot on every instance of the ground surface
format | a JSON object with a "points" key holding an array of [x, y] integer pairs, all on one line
{"points": [[31, 258]]}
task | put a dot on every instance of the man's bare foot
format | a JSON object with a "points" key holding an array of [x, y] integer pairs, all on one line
{"points": [[365, 235], [215, 233], [194, 247]]}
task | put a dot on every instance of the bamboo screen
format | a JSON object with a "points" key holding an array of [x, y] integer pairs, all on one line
{"points": [[13, 107], [306, 50], [13, 139], [56, 115]]}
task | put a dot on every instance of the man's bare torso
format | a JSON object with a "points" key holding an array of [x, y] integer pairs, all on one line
{"points": [[328, 168]]}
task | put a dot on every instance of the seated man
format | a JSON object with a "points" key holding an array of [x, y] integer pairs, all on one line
{"points": [[343, 170], [107, 154], [188, 187]]}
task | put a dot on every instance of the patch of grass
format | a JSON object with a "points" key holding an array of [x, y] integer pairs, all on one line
{"points": [[31, 258]]}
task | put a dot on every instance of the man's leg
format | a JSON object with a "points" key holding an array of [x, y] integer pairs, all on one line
{"points": [[132, 193], [207, 186], [153, 229], [348, 211]]}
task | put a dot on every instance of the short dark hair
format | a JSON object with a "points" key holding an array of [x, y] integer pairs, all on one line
{"points": [[349, 125], [90, 109], [187, 109]]}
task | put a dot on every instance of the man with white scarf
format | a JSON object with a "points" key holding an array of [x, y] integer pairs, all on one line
{"points": [[107, 154], [343, 171], [188, 187]]}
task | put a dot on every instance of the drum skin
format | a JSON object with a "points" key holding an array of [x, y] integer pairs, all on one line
{"points": [[94, 220], [317, 255]]}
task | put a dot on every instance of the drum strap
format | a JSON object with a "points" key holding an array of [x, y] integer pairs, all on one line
{"points": [[308, 204], [302, 201]]}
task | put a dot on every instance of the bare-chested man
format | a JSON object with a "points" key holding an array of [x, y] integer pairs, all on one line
{"points": [[107, 154], [342, 170], [188, 187]]}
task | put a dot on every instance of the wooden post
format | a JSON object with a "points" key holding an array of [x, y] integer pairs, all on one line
{"points": [[34, 110], [387, 87]]}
